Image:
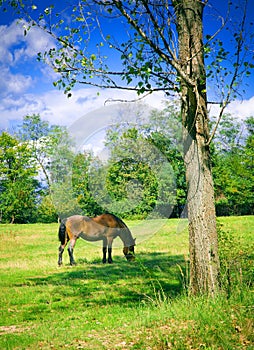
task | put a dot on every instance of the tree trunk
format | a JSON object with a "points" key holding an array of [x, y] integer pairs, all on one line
{"points": [[203, 242]]}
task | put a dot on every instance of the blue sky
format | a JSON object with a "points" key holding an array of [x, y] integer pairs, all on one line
{"points": [[26, 85]]}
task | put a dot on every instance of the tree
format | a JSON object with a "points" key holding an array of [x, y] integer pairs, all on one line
{"points": [[163, 50], [82, 180], [47, 142], [18, 188], [233, 167], [164, 132], [46, 211], [136, 180], [146, 165], [50, 147]]}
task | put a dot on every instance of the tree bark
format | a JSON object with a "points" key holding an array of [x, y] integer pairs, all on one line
{"points": [[204, 260]]}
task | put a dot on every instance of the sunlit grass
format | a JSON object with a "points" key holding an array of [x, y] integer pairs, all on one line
{"points": [[139, 305]]}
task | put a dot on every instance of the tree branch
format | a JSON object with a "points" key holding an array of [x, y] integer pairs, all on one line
{"points": [[171, 61], [240, 44]]}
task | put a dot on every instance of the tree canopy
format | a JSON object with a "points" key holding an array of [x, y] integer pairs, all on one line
{"points": [[25, 195]]}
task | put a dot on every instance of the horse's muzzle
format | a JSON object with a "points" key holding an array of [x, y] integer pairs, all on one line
{"points": [[130, 257]]}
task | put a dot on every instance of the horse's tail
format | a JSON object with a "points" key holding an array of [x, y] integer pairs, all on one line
{"points": [[62, 234]]}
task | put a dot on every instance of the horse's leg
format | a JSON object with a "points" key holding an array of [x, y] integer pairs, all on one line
{"points": [[60, 257], [70, 251], [110, 241], [104, 250]]}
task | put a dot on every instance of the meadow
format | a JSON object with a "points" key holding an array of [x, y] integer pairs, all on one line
{"points": [[139, 305]]}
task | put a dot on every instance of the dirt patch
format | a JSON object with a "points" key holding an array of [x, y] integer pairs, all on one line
{"points": [[12, 329]]}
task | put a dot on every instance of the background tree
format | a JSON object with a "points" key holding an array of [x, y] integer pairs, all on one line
{"points": [[233, 166], [46, 142], [163, 50], [19, 188], [46, 211], [131, 181], [137, 155], [82, 180], [50, 147], [164, 132], [35, 132]]}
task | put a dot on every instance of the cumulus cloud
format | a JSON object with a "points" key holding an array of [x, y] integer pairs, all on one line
{"points": [[56, 108], [13, 83], [17, 54], [243, 109], [65, 111], [16, 46], [240, 109], [10, 35]]}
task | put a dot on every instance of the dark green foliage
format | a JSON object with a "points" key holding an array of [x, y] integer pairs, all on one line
{"points": [[233, 167], [82, 180], [146, 166], [19, 188], [46, 211]]}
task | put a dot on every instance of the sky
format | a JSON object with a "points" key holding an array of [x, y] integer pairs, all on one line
{"points": [[26, 85]]}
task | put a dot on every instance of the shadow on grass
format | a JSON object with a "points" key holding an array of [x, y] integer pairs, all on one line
{"points": [[152, 276]]}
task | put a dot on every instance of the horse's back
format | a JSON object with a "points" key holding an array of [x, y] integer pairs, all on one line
{"points": [[92, 229], [109, 220], [76, 224]]}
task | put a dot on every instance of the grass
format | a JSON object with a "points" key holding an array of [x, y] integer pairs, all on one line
{"points": [[140, 305]]}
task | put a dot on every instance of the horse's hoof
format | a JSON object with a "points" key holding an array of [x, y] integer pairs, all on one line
{"points": [[110, 261]]}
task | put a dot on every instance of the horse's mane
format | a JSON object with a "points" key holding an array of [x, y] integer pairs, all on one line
{"points": [[130, 239], [119, 221]]}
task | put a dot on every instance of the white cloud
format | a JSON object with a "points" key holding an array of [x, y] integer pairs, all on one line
{"points": [[15, 46], [18, 52], [55, 107], [13, 83], [10, 35], [37, 41], [240, 109], [63, 111]]}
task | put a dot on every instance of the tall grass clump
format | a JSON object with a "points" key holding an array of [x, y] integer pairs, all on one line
{"points": [[236, 259], [201, 322]]}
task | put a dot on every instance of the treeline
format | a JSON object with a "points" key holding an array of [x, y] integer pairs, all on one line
{"points": [[43, 178]]}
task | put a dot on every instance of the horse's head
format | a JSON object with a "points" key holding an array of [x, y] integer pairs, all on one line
{"points": [[129, 252]]}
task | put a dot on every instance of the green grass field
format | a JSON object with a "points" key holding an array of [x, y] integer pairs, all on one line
{"points": [[139, 305]]}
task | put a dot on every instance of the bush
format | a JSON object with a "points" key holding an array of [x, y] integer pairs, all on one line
{"points": [[47, 211]]}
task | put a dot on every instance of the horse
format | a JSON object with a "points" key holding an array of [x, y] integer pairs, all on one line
{"points": [[105, 227]]}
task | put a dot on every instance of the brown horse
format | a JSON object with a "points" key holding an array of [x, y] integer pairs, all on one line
{"points": [[105, 227]]}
